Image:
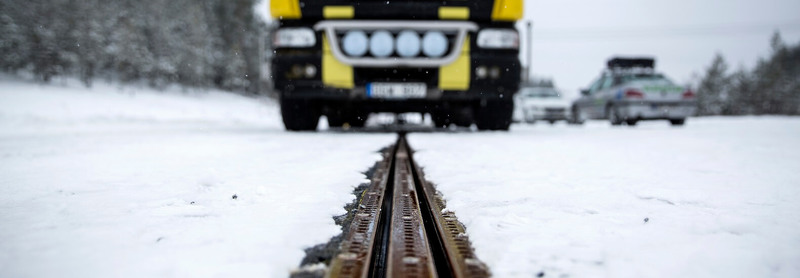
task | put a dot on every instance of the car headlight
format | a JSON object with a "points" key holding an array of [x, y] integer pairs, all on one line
{"points": [[294, 37], [498, 39]]}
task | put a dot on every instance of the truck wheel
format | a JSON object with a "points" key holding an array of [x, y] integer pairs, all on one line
{"points": [[494, 115], [441, 119], [335, 119], [299, 114], [339, 118], [357, 119], [677, 122], [460, 115]]}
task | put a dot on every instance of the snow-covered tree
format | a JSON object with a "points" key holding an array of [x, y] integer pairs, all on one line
{"points": [[194, 43]]}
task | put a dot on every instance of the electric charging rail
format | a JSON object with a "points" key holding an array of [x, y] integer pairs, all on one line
{"points": [[400, 228]]}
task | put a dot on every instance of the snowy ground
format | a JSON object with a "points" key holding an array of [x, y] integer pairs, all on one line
{"points": [[127, 182], [103, 183], [716, 198]]}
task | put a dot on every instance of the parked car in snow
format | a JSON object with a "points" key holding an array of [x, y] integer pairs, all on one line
{"points": [[533, 104], [630, 90]]}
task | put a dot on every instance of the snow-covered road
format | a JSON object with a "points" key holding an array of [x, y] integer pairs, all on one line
{"points": [[127, 182], [720, 197]]}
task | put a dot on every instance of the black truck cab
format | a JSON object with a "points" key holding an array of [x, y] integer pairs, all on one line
{"points": [[455, 60]]}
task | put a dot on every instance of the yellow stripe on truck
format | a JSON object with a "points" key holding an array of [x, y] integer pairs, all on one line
{"points": [[338, 12], [507, 10], [454, 13], [335, 74], [456, 76], [285, 9]]}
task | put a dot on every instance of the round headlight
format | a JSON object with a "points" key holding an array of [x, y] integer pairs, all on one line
{"points": [[355, 43], [381, 44], [434, 44], [408, 44]]}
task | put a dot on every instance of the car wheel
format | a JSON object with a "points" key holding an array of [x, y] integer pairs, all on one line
{"points": [[613, 115], [577, 117], [677, 122], [631, 122], [528, 117], [299, 114], [552, 122], [494, 114]]}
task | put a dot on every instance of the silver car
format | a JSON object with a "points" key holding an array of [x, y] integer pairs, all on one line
{"points": [[630, 91], [533, 104]]}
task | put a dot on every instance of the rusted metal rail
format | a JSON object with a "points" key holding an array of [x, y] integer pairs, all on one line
{"points": [[401, 229]]}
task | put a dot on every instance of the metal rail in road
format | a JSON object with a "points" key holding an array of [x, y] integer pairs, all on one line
{"points": [[400, 228]]}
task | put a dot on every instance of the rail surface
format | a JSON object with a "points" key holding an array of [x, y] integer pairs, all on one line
{"points": [[401, 228]]}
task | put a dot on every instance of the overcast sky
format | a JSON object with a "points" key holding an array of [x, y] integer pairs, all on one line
{"points": [[572, 39]]}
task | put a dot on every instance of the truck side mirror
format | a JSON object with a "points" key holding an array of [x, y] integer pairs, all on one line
{"points": [[585, 92]]}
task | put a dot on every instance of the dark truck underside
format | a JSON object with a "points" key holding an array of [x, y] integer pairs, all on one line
{"points": [[313, 81]]}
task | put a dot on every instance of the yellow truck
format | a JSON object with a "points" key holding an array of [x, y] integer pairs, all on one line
{"points": [[457, 61]]}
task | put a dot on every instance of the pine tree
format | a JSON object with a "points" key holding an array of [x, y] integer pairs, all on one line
{"points": [[713, 88]]}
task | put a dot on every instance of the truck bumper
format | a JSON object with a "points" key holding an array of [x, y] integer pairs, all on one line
{"points": [[499, 81]]}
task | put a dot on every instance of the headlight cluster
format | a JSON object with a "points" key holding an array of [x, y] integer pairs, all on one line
{"points": [[498, 39], [294, 37], [383, 44]]}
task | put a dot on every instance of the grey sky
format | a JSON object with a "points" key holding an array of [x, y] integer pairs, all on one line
{"points": [[573, 38]]}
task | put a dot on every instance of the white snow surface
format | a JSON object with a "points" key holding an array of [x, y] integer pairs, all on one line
{"points": [[720, 197], [129, 182], [120, 181]]}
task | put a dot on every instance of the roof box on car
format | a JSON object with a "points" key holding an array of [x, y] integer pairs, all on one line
{"points": [[626, 63]]}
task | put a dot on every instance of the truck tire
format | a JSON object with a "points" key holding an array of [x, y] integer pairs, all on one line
{"points": [[299, 114], [357, 119], [441, 119], [459, 116], [351, 119], [335, 119], [494, 114]]}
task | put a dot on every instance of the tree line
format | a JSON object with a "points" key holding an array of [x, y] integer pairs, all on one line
{"points": [[206, 43], [772, 87]]}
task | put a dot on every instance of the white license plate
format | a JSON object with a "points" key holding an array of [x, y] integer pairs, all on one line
{"points": [[396, 90]]}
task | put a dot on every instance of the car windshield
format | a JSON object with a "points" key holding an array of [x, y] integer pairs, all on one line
{"points": [[650, 79], [541, 93]]}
